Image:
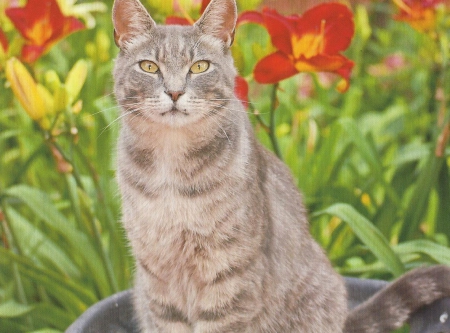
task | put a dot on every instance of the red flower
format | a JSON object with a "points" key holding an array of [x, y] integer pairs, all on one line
{"points": [[205, 4], [420, 14], [42, 24], [176, 20], [308, 43], [3, 41], [241, 90]]}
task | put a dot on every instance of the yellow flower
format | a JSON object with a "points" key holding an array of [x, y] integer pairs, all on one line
{"points": [[29, 94], [65, 94], [75, 79], [60, 99]]}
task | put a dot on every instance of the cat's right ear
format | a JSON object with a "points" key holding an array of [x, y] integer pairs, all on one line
{"points": [[130, 19], [219, 20]]}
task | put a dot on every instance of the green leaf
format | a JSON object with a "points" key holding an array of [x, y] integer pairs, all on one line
{"points": [[368, 234], [53, 316], [438, 252], [11, 309], [34, 243], [67, 290], [43, 207], [417, 205], [411, 153], [443, 191], [5, 135], [365, 148]]}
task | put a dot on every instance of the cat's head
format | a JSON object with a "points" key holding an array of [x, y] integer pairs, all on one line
{"points": [[173, 75]]}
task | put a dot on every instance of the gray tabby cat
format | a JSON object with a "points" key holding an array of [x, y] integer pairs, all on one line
{"points": [[216, 224]]}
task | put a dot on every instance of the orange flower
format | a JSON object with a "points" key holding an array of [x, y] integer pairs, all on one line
{"points": [[42, 24], [308, 43], [420, 14]]}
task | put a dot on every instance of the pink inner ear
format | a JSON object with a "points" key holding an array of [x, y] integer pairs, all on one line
{"points": [[219, 20], [121, 20], [130, 18], [122, 24]]}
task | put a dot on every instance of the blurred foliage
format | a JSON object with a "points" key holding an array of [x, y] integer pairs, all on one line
{"points": [[372, 163]]}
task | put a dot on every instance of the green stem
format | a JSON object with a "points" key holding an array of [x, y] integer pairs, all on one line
{"points": [[69, 160], [259, 119], [106, 262], [272, 134]]}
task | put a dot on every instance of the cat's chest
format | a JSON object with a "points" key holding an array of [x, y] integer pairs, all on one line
{"points": [[166, 192]]}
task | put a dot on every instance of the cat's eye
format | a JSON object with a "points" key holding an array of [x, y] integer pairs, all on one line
{"points": [[199, 67], [149, 66]]}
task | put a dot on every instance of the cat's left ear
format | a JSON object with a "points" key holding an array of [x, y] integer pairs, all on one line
{"points": [[130, 19], [219, 20]]}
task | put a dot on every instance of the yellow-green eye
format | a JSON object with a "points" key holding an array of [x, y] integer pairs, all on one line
{"points": [[200, 67], [148, 66]]}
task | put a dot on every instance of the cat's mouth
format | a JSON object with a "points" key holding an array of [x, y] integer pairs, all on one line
{"points": [[174, 111]]}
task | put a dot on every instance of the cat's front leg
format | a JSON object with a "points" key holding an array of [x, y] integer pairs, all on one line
{"points": [[156, 313], [235, 308], [160, 318]]}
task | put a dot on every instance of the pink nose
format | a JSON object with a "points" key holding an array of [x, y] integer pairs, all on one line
{"points": [[174, 95]]}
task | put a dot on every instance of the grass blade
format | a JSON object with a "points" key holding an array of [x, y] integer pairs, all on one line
{"points": [[11, 309], [417, 205], [368, 234]]}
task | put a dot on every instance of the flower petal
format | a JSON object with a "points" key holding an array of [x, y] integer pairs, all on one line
{"points": [[250, 16], [338, 25], [3, 42], [25, 89], [71, 24], [274, 68], [205, 4], [175, 20], [42, 24], [30, 53], [420, 14], [280, 29], [241, 90], [75, 79], [328, 63], [325, 63]]}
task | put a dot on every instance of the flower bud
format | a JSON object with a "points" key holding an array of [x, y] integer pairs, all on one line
{"points": [[25, 89], [75, 79]]}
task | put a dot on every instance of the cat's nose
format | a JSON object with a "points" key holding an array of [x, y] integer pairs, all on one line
{"points": [[174, 95]]}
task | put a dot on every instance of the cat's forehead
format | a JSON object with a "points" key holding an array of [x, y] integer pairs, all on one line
{"points": [[168, 42]]}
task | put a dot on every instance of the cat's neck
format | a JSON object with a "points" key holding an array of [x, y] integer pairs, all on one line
{"points": [[179, 142]]}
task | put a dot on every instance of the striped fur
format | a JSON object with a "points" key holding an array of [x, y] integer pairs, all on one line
{"points": [[215, 222]]}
